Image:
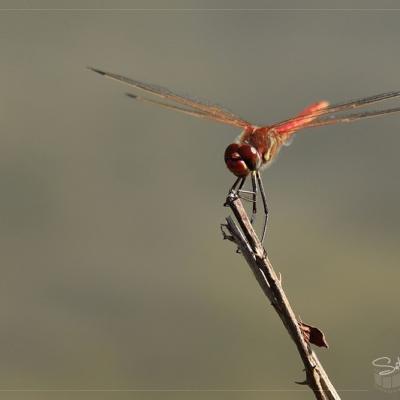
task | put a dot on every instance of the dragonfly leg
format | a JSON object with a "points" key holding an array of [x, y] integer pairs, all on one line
{"points": [[252, 193], [264, 201], [238, 180], [254, 185], [240, 192], [243, 195], [241, 183]]}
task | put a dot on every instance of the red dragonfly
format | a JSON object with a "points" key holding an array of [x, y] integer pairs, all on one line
{"points": [[256, 146]]}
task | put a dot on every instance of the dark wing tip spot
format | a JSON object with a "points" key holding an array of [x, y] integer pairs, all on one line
{"points": [[131, 95], [99, 71]]}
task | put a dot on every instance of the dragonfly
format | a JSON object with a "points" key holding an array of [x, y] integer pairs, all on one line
{"points": [[257, 145]]}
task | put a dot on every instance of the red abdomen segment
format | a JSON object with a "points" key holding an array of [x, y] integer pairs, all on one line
{"points": [[296, 123]]}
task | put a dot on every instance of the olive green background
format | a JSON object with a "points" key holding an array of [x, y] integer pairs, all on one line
{"points": [[114, 275]]}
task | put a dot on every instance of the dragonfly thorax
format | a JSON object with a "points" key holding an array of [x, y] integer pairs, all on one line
{"points": [[241, 159], [255, 147]]}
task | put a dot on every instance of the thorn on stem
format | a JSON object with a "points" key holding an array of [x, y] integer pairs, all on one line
{"points": [[302, 382], [226, 236]]}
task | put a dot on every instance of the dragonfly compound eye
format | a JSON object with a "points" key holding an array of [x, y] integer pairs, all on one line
{"points": [[241, 159]]}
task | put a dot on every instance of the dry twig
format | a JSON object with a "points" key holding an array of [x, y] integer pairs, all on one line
{"points": [[302, 334]]}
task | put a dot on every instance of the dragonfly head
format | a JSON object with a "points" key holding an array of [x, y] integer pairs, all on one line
{"points": [[241, 159]]}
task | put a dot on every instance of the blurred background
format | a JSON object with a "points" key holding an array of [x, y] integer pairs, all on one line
{"points": [[114, 275]]}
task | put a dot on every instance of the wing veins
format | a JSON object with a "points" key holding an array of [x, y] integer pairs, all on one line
{"points": [[351, 117], [212, 110], [340, 107], [184, 110]]}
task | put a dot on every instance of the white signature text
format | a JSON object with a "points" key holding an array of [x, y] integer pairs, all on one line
{"points": [[386, 363]]}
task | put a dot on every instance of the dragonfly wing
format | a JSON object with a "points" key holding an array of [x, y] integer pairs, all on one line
{"points": [[188, 111], [302, 119], [362, 102], [213, 111], [351, 117]]}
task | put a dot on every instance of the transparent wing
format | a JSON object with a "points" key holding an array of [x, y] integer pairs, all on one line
{"points": [[340, 107], [200, 109], [184, 110], [350, 118]]}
